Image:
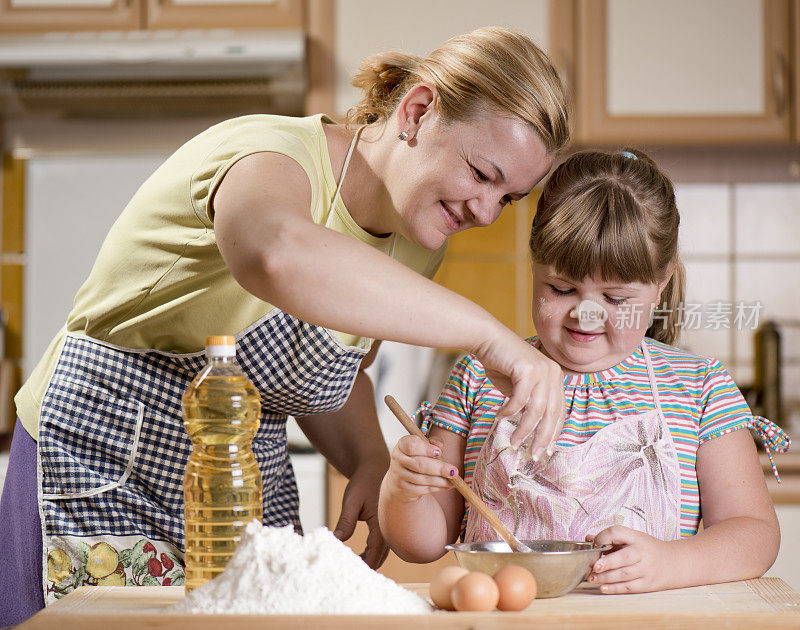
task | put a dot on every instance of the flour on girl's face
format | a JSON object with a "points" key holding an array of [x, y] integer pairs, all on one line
{"points": [[545, 309], [276, 571]]}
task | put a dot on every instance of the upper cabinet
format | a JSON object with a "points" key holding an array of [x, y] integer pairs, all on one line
{"points": [[29, 16], [20, 16], [678, 72], [360, 29], [224, 14]]}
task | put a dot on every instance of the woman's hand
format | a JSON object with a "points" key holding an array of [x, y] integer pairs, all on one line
{"points": [[360, 503], [641, 564], [532, 382], [416, 469]]}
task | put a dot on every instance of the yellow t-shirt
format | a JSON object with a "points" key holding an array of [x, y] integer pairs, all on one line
{"points": [[159, 281]]}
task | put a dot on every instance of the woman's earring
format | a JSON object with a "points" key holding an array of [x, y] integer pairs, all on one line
{"points": [[403, 135]]}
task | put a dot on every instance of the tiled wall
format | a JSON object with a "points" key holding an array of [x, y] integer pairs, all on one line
{"points": [[741, 245]]}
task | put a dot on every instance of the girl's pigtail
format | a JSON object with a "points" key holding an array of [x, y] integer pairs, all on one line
{"points": [[667, 322]]}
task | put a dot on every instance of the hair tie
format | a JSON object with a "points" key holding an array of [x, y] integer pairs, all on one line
{"points": [[628, 154]]}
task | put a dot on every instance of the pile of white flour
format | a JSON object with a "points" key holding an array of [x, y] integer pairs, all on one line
{"points": [[276, 571]]}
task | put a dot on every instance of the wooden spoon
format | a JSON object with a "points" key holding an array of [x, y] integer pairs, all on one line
{"points": [[460, 485]]}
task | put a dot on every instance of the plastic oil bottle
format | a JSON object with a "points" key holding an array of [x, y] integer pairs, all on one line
{"points": [[222, 485]]}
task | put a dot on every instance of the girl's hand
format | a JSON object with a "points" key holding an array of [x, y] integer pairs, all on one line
{"points": [[641, 564], [531, 382], [417, 469]]}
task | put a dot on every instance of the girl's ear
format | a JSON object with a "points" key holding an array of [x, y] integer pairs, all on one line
{"points": [[670, 272], [418, 102]]}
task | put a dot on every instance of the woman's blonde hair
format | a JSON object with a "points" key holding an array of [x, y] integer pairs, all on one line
{"points": [[490, 67], [613, 214]]}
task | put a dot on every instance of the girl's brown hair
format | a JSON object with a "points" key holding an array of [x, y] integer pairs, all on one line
{"points": [[495, 68], [613, 214]]}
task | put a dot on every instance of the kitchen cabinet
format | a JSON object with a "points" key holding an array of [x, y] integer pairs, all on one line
{"points": [[680, 72], [795, 30], [223, 14], [40, 16], [12, 248], [418, 26], [491, 266], [31, 16]]}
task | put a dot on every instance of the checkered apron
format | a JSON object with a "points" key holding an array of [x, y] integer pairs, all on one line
{"points": [[112, 449]]}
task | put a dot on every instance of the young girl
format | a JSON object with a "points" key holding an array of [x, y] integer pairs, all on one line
{"points": [[651, 440]]}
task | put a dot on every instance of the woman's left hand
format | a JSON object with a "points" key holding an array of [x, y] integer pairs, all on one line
{"points": [[641, 564], [360, 503]]}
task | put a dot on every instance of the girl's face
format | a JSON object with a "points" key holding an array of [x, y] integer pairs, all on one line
{"points": [[454, 176], [574, 342]]}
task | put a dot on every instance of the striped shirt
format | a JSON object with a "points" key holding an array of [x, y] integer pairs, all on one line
{"points": [[698, 398]]}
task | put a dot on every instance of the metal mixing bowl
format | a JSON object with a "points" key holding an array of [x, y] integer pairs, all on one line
{"points": [[558, 565]]}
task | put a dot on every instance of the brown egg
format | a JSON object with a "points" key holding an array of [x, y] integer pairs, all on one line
{"points": [[476, 592], [517, 587], [442, 585]]}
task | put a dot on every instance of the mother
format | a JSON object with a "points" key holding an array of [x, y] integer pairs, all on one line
{"points": [[281, 231]]}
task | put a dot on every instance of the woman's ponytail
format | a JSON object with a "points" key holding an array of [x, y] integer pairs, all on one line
{"points": [[381, 78]]}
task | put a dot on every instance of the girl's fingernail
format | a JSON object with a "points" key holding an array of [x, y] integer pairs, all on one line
{"points": [[603, 588], [437, 452], [549, 452], [592, 578], [598, 566], [452, 472]]}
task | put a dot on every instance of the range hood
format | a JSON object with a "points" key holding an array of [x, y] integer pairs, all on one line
{"points": [[150, 72], [143, 55]]}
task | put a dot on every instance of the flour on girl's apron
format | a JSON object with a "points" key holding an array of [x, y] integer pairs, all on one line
{"points": [[626, 474], [112, 448]]}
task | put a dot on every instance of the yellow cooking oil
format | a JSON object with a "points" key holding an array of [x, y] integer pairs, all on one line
{"points": [[222, 484]]}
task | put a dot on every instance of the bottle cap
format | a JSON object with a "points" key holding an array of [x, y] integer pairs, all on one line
{"points": [[221, 346]]}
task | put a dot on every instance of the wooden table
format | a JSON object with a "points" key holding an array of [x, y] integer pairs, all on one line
{"points": [[761, 603]]}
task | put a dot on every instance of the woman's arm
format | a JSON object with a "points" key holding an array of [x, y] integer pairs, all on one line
{"points": [[274, 249], [420, 511], [351, 440], [739, 540]]}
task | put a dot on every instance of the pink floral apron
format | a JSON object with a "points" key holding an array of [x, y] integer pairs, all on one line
{"points": [[626, 474]]}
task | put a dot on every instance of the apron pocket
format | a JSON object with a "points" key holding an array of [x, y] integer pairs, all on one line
{"points": [[88, 439]]}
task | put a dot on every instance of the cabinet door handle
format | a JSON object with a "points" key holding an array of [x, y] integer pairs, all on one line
{"points": [[779, 83]]}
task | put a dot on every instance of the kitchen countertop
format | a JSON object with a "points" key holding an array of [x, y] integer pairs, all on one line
{"points": [[762, 603]]}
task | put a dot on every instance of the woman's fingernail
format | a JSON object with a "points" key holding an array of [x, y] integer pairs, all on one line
{"points": [[592, 578], [598, 566], [437, 452], [549, 452], [452, 472], [603, 588]]}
